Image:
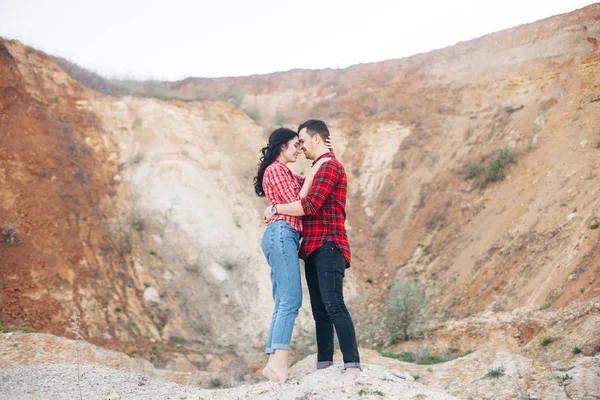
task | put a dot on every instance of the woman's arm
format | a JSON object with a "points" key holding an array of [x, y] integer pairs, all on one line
{"points": [[311, 176]]}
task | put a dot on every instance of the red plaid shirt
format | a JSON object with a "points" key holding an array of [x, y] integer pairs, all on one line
{"points": [[282, 186], [325, 209]]}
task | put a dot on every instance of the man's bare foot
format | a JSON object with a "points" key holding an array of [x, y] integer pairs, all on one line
{"points": [[350, 374]]}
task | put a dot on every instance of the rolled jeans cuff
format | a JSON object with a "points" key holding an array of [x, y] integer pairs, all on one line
{"points": [[353, 365], [324, 364]]}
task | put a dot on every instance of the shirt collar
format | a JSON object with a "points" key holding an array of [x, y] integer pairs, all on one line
{"points": [[282, 164], [328, 154]]}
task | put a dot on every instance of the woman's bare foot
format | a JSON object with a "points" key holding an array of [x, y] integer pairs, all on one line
{"points": [[350, 374], [276, 369], [273, 374]]}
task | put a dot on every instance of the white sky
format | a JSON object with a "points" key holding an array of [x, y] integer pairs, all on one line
{"points": [[175, 39]]}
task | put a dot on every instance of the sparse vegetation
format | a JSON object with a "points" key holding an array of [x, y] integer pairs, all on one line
{"points": [[495, 373], [564, 378], [8, 234], [547, 340], [215, 382], [424, 358], [237, 97], [492, 170], [7, 329], [157, 357], [118, 238], [404, 311], [253, 113], [200, 327], [133, 327], [594, 222], [416, 377], [177, 340], [137, 222], [137, 158], [167, 218], [576, 350], [367, 392]]}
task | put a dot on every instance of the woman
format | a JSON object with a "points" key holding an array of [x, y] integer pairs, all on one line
{"points": [[280, 242]]}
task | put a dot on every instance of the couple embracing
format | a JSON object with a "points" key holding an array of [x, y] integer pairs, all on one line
{"points": [[306, 219]]}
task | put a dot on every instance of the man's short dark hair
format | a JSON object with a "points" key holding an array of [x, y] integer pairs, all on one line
{"points": [[315, 126]]}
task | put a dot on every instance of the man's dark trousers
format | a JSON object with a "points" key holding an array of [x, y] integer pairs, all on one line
{"points": [[325, 268]]}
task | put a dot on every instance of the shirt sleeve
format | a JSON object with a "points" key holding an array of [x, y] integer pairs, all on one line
{"points": [[283, 184], [323, 183]]}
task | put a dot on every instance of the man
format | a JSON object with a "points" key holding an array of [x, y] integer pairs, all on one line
{"points": [[325, 248]]}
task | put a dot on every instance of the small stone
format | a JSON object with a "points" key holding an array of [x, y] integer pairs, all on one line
{"points": [[118, 178], [113, 396], [151, 294]]}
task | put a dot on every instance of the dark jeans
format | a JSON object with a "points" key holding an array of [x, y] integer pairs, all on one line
{"points": [[325, 269]]}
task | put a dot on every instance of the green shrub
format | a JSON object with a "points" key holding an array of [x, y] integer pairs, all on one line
{"points": [[495, 373], [137, 222], [492, 170], [404, 311], [547, 340], [576, 350], [177, 340], [594, 222], [406, 357], [8, 235]]}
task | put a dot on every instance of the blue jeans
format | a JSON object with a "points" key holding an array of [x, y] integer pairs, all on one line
{"points": [[280, 246]]}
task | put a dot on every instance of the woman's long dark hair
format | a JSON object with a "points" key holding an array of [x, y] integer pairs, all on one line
{"points": [[277, 140]]}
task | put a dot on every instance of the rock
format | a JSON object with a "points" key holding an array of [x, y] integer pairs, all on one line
{"points": [[218, 272], [540, 120], [151, 294], [117, 179], [181, 364], [157, 239]]}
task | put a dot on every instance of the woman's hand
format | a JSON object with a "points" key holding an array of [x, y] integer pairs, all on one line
{"points": [[328, 144], [267, 214]]}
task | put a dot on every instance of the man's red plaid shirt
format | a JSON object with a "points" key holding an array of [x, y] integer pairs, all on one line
{"points": [[282, 186], [325, 209]]}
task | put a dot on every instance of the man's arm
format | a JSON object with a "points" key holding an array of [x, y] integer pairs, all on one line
{"points": [[294, 209]]}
